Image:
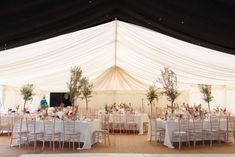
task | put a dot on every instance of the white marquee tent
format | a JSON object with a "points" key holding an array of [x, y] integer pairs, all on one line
{"points": [[121, 59]]}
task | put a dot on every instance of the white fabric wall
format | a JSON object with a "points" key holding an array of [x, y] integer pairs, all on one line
{"points": [[11, 97], [1, 100], [182, 98], [99, 99], [136, 99], [230, 100], [223, 97]]}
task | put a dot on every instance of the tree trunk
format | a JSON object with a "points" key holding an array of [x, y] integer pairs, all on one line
{"points": [[209, 108], [86, 104], [24, 107], [72, 106], [172, 107], [151, 105], [73, 109], [142, 105]]}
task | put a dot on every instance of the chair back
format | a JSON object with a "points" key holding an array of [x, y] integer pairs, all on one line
{"points": [[214, 123], [116, 118], [92, 115], [5, 120], [69, 126], [197, 124], [31, 124], [231, 123], [105, 121], [19, 125], [152, 123], [130, 118], [49, 126], [183, 124]]}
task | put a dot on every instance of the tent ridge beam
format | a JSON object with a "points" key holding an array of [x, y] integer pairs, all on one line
{"points": [[115, 43]]}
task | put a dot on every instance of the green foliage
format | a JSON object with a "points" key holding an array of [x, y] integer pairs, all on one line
{"points": [[86, 90], [151, 95], [27, 92], [74, 84], [78, 87], [169, 84], [206, 93], [74, 88]]}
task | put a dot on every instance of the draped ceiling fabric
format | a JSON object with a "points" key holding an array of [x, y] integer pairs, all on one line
{"points": [[137, 53], [207, 23], [117, 79]]}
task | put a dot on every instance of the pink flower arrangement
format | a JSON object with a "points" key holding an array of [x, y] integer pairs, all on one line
{"points": [[220, 110], [224, 110], [69, 114], [11, 110]]}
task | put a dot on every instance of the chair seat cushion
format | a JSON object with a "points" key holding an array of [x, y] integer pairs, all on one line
{"points": [[22, 132], [179, 132], [195, 131], [71, 134]]}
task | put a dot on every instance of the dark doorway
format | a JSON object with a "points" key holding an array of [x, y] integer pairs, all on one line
{"points": [[58, 98]]}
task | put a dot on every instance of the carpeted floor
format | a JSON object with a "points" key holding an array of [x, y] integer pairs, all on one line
{"points": [[120, 144]]}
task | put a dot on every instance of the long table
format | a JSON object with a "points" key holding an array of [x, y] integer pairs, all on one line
{"points": [[140, 119], [172, 125], [86, 129]]}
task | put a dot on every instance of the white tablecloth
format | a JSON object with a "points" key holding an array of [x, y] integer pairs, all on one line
{"points": [[6, 120], [170, 126], [86, 129], [143, 118]]}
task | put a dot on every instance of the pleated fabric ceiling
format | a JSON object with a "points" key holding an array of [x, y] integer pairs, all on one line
{"points": [[114, 56], [207, 23], [117, 79]]}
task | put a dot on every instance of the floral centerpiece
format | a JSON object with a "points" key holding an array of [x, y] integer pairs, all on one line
{"points": [[11, 111], [121, 108], [69, 114], [196, 111], [220, 111]]}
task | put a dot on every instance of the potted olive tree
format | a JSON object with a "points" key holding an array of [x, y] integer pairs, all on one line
{"points": [[74, 87], [206, 93], [27, 92], [151, 95], [86, 90], [169, 83]]}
